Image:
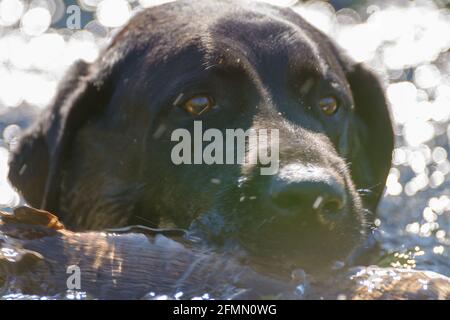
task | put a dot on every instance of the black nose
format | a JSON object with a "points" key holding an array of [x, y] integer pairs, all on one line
{"points": [[311, 190]]}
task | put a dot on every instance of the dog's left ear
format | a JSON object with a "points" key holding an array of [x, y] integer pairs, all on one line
{"points": [[35, 164], [373, 137]]}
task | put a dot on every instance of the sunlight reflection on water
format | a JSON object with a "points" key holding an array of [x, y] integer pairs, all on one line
{"points": [[407, 43]]}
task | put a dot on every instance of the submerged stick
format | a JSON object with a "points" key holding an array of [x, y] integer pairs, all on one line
{"points": [[36, 252]]}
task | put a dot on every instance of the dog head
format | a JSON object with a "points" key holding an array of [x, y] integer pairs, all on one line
{"points": [[102, 154]]}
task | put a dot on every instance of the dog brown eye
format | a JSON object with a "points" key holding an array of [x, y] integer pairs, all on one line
{"points": [[328, 105], [198, 105]]}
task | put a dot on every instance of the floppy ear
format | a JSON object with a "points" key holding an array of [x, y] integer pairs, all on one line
{"points": [[35, 164], [373, 139]]}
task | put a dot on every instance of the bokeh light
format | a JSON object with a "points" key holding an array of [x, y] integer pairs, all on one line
{"points": [[10, 12], [113, 13], [36, 21]]}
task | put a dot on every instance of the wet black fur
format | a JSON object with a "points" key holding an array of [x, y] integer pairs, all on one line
{"points": [[94, 159]]}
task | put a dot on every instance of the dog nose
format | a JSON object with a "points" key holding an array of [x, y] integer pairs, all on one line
{"points": [[312, 190]]}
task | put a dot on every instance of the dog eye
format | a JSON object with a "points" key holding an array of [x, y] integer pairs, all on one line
{"points": [[198, 104], [328, 105]]}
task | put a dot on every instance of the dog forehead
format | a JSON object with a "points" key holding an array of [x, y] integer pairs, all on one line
{"points": [[255, 25], [265, 40], [259, 39], [237, 28]]}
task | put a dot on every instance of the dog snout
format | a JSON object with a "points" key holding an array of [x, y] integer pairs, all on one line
{"points": [[301, 190]]}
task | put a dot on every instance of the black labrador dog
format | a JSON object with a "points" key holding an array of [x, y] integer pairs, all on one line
{"points": [[100, 156]]}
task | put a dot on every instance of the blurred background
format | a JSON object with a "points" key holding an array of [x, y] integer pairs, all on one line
{"points": [[406, 42]]}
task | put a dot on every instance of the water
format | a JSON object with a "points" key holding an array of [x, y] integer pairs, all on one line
{"points": [[406, 42]]}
